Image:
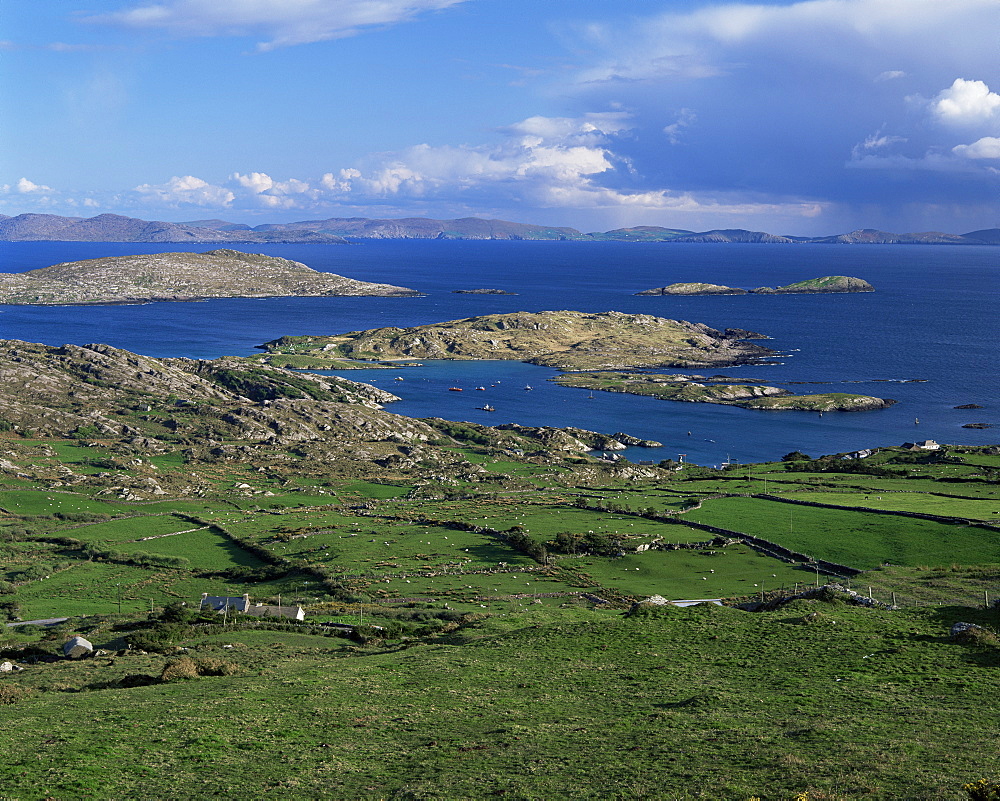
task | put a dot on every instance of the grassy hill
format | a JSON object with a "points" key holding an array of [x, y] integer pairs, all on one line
{"points": [[487, 579]]}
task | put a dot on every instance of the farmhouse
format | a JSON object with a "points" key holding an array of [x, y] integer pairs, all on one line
{"points": [[241, 604], [923, 445]]}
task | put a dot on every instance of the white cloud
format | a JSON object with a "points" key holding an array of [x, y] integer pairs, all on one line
{"points": [[559, 162], [281, 22], [186, 191], [685, 118], [718, 40], [26, 187], [986, 148], [889, 75], [966, 103], [874, 142], [268, 193]]}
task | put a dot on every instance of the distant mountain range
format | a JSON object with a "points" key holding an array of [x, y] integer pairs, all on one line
{"points": [[339, 230], [115, 228]]}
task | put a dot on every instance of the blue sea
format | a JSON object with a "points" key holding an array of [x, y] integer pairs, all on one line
{"points": [[928, 337]]}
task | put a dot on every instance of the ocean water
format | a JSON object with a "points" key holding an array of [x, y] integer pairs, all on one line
{"points": [[928, 337]]}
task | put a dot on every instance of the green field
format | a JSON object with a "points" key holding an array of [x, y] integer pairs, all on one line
{"points": [[41, 502], [205, 550], [854, 538], [131, 528], [971, 509], [498, 672]]}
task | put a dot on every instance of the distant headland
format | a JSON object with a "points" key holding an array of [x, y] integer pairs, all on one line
{"points": [[340, 230]]}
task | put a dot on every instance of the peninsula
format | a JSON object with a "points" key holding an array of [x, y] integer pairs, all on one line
{"points": [[829, 284], [179, 276], [566, 340]]}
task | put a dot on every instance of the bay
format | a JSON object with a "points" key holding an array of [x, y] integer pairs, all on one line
{"points": [[928, 336]]}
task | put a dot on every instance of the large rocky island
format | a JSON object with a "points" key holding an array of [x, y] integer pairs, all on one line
{"points": [[567, 340], [179, 276]]}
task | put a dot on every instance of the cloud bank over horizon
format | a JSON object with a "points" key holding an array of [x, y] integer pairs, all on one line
{"points": [[809, 117]]}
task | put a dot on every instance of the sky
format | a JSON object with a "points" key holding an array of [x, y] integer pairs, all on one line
{"points": [[805, 118]]}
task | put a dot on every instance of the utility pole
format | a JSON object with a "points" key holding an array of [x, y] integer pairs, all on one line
{"points": [[118, 587]]}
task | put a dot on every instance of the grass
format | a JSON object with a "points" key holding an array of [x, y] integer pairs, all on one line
{"points": [[49, 502], [542, 692], [857, 539], [700, 703], [972, 509], [130, 528], [369, 489], [206, 550], [715, 573]]}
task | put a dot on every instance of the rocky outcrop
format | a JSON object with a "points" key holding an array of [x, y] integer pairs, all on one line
{"points": [[101, 392], [179, 276], [824, 402]]}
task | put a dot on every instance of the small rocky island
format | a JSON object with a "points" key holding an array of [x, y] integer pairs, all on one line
{"points": [[482, 292], [180, 276], [693, 289], [751, 394], [566, 340], [828, 284]]}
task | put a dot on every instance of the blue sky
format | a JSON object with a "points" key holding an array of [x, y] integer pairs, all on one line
{"points": [[806, 118]]}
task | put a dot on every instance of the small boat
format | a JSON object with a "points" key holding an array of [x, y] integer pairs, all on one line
{"points": [[487, 408], [590, 396], [480, 389], [528, 387], [399, 378], [455, 389]]}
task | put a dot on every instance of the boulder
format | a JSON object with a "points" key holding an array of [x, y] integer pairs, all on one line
{"points": [[77, 647]]}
